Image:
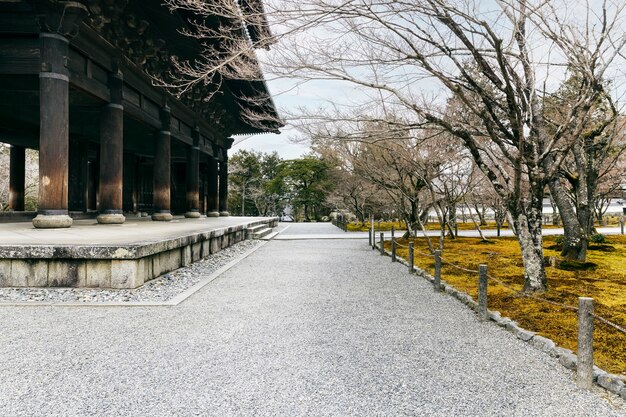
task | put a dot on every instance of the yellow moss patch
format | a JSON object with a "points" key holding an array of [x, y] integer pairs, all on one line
{"points": [[380, 227], [606, 283]]}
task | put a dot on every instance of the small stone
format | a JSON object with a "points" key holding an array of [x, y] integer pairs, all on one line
{"points": [[544, 344], [523, 334], [511, 326], [568, 360], [611, 382], [494, 315]]}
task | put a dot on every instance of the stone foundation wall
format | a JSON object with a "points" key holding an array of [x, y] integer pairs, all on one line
{"points": [[113, 267]]}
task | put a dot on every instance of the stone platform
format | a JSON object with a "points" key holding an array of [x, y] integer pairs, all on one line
{"points": [[113, 256]]}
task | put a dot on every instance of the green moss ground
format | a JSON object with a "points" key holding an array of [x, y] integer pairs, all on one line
{"points": [[606, 283]]}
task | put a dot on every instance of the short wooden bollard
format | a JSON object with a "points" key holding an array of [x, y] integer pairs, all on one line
{"points": [[411, 255], [373, 234], [393, 249], [584, 366], [382, 243], [482, 292], [621, 225], [437, 281]]}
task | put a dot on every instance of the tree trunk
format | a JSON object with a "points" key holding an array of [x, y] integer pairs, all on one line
{"points": [[574, 236], [527, 223]]}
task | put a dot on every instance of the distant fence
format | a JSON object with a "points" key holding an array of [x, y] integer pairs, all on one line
{"points": [[585, 308], [341, 222]]}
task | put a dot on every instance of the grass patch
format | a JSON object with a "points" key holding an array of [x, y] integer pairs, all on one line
{"points": [[603, 277]]}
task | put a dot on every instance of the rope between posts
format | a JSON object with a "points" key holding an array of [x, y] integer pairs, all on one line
{"points": [[609, 323], [423, 253]]}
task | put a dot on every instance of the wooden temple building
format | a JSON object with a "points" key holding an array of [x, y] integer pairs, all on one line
{"points": [[77, 84]]}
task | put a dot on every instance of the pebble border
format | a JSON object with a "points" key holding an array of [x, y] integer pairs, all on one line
{"points": [[611, 382]]}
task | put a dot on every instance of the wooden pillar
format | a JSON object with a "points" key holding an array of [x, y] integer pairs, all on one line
{"points": [[224, 186], [212, 189], [53, 133], [57, 21], [193, 177], [17, 175], [112, 154], [78, 174], [162, 174]]}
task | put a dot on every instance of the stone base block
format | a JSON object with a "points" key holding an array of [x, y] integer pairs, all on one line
{"points": [[162, 217], [213, 214], [52, 221], [118, 267], [111, 218], [224, 214], [192, 215]]}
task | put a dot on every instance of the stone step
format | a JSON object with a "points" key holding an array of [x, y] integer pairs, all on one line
{"points": [[270, 236], [257, 228], [261, 233]]}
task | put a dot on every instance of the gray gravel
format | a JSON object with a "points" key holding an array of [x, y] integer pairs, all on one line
{"points": [[299, 328], [161, 289]]}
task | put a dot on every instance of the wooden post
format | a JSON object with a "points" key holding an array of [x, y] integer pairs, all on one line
{"points": [[482, 292], [192, 195], [162, 169], [213, 198], [223, 192], [17, 175], [382, 243], [53, 133], [57, 22], [584, 367], [369, 235], [411, 257], [373, 234], [437, 280], [393, 232], [393, 249], [112, 154], [621, 224]]}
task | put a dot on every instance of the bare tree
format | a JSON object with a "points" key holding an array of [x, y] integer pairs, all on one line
{"points": [[497, 61], [593, 152]]}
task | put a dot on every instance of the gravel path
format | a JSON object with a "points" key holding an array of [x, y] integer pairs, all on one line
{"points": [[299, 328]]}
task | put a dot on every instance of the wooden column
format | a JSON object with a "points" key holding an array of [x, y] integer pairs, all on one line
{"points": [[162, 158], [212, 189], [78, 174], [193, 177], [224, 186], [17, 175], [57, 21], [112, 154], [53, 133]]}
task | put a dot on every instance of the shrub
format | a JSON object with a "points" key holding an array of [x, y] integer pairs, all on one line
{"points": [[598, 238]]}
